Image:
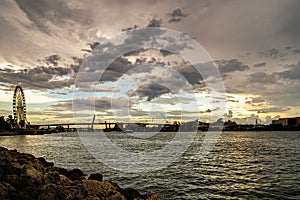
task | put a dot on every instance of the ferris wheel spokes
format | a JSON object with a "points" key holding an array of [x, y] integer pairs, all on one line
{"points": [[19, 107]]}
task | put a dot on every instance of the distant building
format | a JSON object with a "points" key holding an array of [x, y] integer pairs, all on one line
{"points": [[292, 121]]}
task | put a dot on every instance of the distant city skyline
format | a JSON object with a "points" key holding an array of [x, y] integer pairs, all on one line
{"points": [[254, 44]]}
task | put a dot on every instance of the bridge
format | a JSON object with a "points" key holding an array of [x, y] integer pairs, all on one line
{"points": [[68, 125], [109, 126]]}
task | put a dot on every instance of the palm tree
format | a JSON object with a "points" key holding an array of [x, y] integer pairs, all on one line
{"points": [[4, 125], [11, 121]]}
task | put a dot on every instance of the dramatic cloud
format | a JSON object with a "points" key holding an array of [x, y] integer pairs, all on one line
{"points": [[58, 13], [262, 77], [92, 45], [44, 43], [273, 53], [53, 59], [191, 74], [116, 69], [41, 77], [151, 91], [260, 64], [155, 23], [176, 16], [292, 73], [228, 66]]}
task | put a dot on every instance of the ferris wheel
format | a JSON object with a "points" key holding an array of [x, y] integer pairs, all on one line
{"points": [[19, 106]]}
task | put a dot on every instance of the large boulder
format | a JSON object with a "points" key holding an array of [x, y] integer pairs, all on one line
{"points": [[96, 176], [22, 176]]}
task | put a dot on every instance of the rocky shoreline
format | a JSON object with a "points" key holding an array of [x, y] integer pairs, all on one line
{"points": [[22, 176]]}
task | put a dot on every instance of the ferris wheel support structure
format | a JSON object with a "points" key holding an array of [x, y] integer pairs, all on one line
{"points": [[19, 107]]}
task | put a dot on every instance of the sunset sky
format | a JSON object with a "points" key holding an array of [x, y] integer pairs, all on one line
{"points": [[254, 44]]}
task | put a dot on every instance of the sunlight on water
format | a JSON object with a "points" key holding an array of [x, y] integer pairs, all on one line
{"points": [[242, 164]]}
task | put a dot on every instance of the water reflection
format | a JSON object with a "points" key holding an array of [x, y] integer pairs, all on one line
{"points": [[242, 164]]}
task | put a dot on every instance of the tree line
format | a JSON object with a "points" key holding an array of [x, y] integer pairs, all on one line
{"points": [[10, 123]]}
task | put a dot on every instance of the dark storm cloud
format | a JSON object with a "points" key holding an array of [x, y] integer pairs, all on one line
{"points": [[155, 23], [280, 53], [38, 82], [108, 50], [49, 70], [100, 103], [122, 65], [76, 65], [292, 73], [205, 18], [116, 69], [57, 12], [273, 53], [260, 64], [53, 59], [165, 53], [92, 46], [176, 16], [151, 91], [228, 66], [41, 77], [191, 74], [289, 22], [262, 77]]}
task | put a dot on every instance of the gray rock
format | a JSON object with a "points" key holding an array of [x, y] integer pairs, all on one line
{"points": [[22, 176]]}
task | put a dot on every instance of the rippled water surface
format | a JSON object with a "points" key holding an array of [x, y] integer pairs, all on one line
{"points": [[242, 165]]}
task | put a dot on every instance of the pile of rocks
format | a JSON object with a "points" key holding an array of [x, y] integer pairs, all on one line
{"points": [[22, 176]]}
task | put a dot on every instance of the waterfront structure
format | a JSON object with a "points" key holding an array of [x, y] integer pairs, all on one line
{"points": [[19, 107], [291, 121], [18, 124]]}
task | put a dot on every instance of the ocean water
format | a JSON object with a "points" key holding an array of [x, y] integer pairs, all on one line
{"points": [[241, 165]]}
